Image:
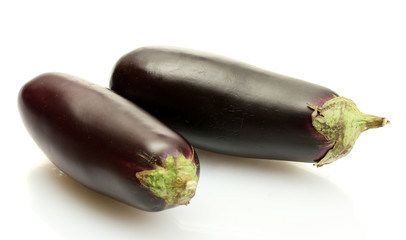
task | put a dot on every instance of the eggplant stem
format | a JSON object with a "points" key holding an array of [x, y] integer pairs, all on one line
{"points": [[175, 182], [340, 121]]}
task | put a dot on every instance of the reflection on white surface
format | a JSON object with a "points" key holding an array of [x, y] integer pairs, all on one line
{"points": [[77, 212], [236, 198]]}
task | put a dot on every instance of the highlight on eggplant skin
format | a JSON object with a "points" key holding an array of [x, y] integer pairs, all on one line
{"points": [[230, 107], [107, 143]]}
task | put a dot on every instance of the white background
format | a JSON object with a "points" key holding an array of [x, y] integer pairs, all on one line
{"points": [[356, 48]]}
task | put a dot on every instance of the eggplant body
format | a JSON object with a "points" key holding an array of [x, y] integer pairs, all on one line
{"points": [[99, 138], [223, 105]]}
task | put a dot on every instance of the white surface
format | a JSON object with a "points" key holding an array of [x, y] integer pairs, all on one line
{"points": [[356, 48]]}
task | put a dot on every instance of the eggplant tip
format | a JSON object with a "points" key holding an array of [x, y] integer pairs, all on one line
{"points": [[340, 121], [175, 181]]}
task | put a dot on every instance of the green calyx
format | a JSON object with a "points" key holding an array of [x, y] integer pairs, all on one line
{"points": [[175, 182], [340, 122]]}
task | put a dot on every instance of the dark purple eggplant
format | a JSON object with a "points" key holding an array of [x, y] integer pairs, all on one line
{"points": [[107, 143], [226, 106]]}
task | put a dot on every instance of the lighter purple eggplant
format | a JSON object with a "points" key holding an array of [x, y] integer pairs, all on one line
{"points": [[107, 143]]}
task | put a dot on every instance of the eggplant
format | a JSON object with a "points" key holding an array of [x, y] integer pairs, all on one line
{"points": [[234, 108], [108, 144]]}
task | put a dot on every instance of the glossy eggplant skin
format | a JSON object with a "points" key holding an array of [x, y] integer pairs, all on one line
{"points": [[223, 105], [97, 137]]}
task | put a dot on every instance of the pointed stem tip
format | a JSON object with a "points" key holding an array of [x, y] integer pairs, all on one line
{"points": [[371, 121]]}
